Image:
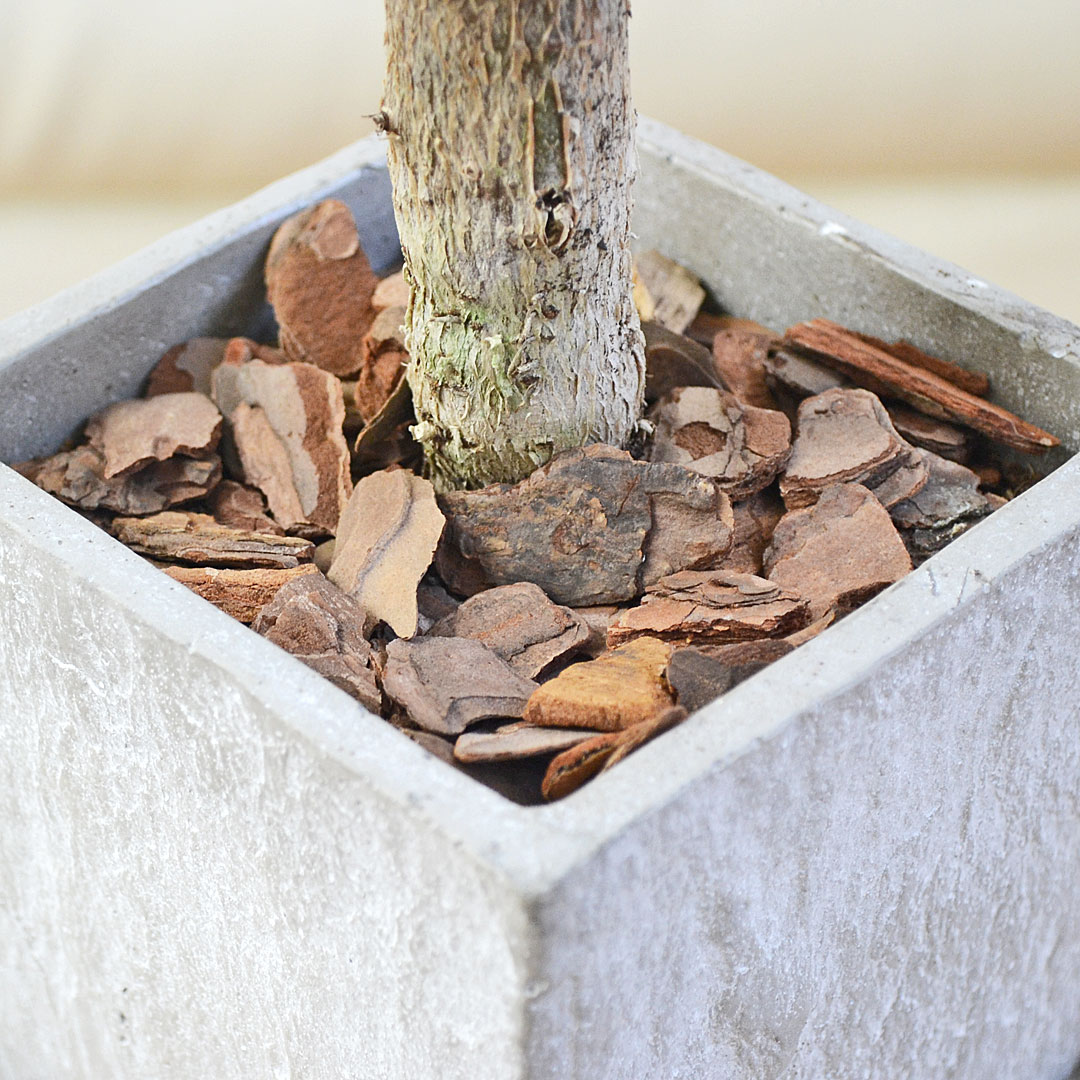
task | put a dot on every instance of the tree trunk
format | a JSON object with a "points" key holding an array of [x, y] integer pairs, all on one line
{"points": [[511, 148]]}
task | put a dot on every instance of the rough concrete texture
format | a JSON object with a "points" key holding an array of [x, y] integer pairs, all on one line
{"points": [[862, 862], [190, 886], [886, 885]]}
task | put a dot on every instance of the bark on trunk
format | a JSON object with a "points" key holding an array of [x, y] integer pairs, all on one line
{"points": [[511, 152]]}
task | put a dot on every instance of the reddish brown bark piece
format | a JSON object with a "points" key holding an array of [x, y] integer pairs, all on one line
{"points": [[692, 525], [617, 690], [77, 477], [512, 742], [266, 465], [974, 382], [672, 360], [741, 447], [383, 362], [240, 350], [990, 476], [574, 767], [130, 434], [904, 482], [319, 624], [930, 393], [239, 593], [798, 375], [287, 425], [320, 284], [386, 439], [929, 433], [240, 507], [519, 623], [676, 293], [838, 552], [755, 519], [176, 536], [580, 526], [447, 684], [706, 325], [842, 436], [385, 544], [740, 356], [392, 291], [187, 367], [386, 330], [697, 606]]}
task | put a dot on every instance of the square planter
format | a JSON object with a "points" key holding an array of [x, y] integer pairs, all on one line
{"points": [[865, 861]]}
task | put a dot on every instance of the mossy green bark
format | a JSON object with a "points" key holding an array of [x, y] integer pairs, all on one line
{"points": [[511, 151]]}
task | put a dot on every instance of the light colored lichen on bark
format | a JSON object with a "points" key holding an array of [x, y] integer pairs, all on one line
{"points": [[511, 151]]}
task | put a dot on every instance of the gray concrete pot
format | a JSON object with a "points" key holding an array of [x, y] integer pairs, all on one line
{"points": [[863, 862]]}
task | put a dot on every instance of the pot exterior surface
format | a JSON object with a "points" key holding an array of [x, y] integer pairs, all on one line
{"points": [[190, 887], [887, 887], [864, 861]]}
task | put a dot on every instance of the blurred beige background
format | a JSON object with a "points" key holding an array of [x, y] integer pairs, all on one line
{"points": [[953, 124]]}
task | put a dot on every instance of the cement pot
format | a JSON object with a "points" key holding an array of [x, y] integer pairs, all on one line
{"points": [[865, 861]]}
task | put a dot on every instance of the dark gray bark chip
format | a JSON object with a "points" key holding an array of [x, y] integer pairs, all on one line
{"points": [[316, 622], [515, 741], [520, 624], [842, 436], [673, 360], [447, 684], [593, 526]]}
